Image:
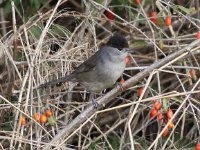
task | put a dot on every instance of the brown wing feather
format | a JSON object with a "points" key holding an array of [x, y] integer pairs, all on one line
{"points": [[88, 65]]}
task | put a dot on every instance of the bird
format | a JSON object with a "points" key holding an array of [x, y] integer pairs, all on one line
{"points": [[101, 70]]}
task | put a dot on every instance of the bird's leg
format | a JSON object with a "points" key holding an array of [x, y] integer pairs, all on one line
{"points": [[94, 102]]}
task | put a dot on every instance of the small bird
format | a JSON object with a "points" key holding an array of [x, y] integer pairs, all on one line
{"points": [[101, 70]]}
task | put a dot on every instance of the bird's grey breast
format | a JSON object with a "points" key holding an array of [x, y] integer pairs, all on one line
{"points": [[108, 67], [112, 63]]}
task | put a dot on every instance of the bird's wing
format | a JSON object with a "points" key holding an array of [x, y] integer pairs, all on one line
{"points": [[89, 64]]}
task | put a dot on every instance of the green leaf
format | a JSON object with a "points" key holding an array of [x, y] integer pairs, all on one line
{"points": [[139, 43], [92, 146], [44, 2], [7, 5], [165, 103], [186, 10], [100, 1], [37, 4], [7, 125], [177, 99], [115, 142], [124, 2], [59, 30], [160, 22], [36, 31], [52, 120]]}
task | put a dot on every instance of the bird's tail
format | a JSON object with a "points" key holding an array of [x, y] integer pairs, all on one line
{"points": [[59, 80]]}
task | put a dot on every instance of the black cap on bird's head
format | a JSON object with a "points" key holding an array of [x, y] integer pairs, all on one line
{"points": [[118, 41]]}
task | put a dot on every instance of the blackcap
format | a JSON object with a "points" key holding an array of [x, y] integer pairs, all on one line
{"points": [[101, 70]]}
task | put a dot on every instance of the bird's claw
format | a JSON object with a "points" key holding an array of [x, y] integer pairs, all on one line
{"points": [[95, 103], [118, 85]]}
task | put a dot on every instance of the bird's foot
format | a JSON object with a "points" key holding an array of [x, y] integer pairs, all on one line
{"points": [[118, 85], [95, 103]]}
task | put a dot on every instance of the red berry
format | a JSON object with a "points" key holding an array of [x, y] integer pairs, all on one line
{"points": [[23, 120], [122, 81], [153, 113], [140, 91], [198, 35], [109, 14], [138, 1], [192, 73], [36, 117], [43, 118], [153, 15], [197, 146], [164, 134], [157, 105], [49, 113], [171, 125], [168, 21], [170, 114]]}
